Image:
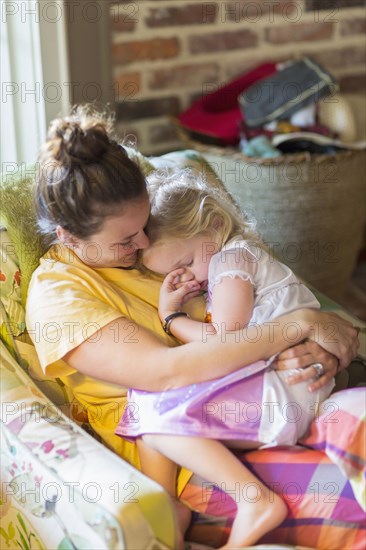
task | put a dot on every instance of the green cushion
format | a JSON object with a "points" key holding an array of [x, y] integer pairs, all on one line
{"points": [[17, 215], [10, 288]]}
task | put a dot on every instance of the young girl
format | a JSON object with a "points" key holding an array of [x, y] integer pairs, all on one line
{"points": [[201, 242]]}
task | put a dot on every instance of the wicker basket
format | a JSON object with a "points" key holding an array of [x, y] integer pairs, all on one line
{"points": [[310, 209]]}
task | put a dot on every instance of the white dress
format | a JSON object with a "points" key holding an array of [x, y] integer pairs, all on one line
{"points": [[277, 290]]}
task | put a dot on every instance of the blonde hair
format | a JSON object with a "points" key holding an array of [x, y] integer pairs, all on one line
{"points": [[84, 174], [184, 205]]}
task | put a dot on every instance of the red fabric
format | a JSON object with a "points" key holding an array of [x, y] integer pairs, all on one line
{"points": [[217, 115]]}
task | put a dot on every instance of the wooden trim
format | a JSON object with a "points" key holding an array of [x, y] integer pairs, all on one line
{"points": [[89, 47]]}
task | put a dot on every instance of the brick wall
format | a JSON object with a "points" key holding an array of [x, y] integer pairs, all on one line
{"points": [[168, 52]]}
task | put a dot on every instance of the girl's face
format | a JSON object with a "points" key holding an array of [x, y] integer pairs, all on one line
{"points": [[118, 242], [193, 254]]}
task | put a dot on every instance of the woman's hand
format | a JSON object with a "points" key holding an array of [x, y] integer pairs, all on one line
{"points": [[333, 333], [301, 357], [332, 342], [175, 292]]}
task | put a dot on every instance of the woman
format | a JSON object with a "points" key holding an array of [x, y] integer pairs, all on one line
{"points": [[94, 317]]}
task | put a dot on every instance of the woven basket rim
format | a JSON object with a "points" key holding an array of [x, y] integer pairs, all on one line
{"points": [[288, 158]]}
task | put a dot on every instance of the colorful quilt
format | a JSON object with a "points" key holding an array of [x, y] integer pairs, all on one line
{"points": [[323, 512]]}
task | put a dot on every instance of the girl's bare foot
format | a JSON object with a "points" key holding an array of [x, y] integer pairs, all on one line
{"points": [[255, 519]]}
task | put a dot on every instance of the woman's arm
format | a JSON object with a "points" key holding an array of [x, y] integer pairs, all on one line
{"points": [[146, 363]]}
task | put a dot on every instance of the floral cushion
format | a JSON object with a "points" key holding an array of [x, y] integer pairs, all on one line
{"points": [[62, 489]]}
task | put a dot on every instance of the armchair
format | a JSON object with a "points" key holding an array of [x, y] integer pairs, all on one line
{"points": [[63, 489]]}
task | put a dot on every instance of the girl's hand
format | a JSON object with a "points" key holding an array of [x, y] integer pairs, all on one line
{"points": [[175, 292], [301, 357]]}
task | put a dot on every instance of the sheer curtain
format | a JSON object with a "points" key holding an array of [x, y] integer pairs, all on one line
{"points": [[34, 76]]}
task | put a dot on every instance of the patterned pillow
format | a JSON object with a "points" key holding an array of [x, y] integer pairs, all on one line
{"points": [[339, 431]]}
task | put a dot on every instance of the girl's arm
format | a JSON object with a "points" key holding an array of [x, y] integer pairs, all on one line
{"points": [[232, 303], [174, 293], [232, 306], [147, 363]]}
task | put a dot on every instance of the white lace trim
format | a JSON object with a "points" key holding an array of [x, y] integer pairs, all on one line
{"points": [[231, 275]]}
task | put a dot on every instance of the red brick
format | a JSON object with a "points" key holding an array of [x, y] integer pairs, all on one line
{"points": [[336, 59], [183, 76], [222, 41], [193, 14], [145, 50], [148, 108], [126, 86], [353, 83], [235, 68], [256, 10], [299, 32], [353, 26], [124, 17]]}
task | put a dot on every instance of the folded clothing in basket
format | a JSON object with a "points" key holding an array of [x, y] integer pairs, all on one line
{"points": [[281, 95], [215, 118]]}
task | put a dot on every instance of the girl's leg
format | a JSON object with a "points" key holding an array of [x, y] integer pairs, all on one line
{"points": [[164, 471], [157, 466], [259, 509]]}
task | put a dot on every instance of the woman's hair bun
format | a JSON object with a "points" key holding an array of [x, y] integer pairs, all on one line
{"points": [[79, 138]]}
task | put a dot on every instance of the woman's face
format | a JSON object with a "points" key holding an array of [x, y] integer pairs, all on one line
{"points": [[121, 237]]}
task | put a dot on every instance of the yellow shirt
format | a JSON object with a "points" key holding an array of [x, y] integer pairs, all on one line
{"points": [[69, 302]]}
